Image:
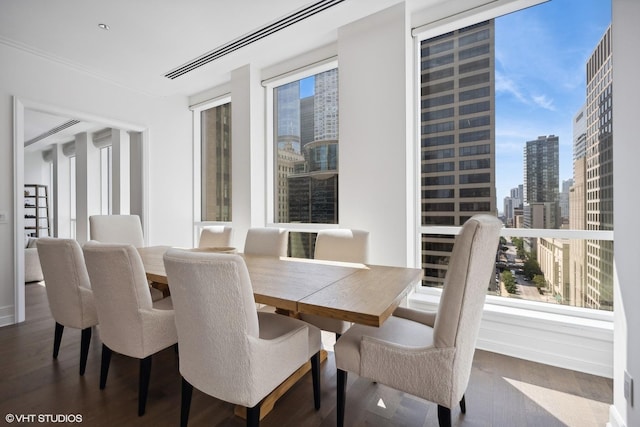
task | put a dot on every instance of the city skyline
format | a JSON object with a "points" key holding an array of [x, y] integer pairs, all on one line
{"points": [[540, 80], [541, 56]]}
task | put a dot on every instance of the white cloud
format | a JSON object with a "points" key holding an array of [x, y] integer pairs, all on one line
{"points": [[507, 85], [544, 102]]}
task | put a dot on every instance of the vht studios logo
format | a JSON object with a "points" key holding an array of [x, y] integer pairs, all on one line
{"points": [[43, 418]]}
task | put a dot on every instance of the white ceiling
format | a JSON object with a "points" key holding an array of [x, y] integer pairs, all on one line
{"points": [[147, 39]]}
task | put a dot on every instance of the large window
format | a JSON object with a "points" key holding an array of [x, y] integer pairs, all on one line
{"points": [[215, 134], [305, 147], [515, 121]]}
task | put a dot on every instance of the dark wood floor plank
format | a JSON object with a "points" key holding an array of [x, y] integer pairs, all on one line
{"points": [[503, 391]]}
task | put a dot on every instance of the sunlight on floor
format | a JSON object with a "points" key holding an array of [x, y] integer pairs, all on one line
{"points": [[566, 408]]}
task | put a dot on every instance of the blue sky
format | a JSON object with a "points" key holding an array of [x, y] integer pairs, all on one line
{"points": [[307, 87], [541, 54]]}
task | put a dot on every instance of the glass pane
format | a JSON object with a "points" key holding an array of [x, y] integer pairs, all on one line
{"points": [[537, 269], [216, 163], [516, 117], [302, 245], [306, 146]]}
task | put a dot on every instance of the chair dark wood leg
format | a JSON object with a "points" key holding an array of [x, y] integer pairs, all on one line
{"points": [[187, 391], [342, 395], [444, 416], [315, 375], [85, 340], [143, 388], [463, 405], [57, 339], [104, 365], [253, 416]]}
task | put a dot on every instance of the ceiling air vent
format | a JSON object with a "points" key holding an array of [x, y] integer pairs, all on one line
{"points": [[254, 36], [51, 132]]}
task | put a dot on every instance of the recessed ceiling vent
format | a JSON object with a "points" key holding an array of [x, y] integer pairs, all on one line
{"points": [[51, 132], [254, 36]]}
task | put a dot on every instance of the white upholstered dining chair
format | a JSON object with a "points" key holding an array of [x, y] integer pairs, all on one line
{"points": [[429, 354], [116, 229], [338, 245], [215, 236], [68, 290], [267, 241], [227, 349], [130, 323]]}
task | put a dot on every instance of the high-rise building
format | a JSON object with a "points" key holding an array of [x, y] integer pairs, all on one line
{"points": [[553, 257], [578, 209], [216, 163], [325, 106], [289, 157], [288, 115], [564, 200], [541, 175], [578, 221], [457, 136], [287, 110], [580, 133], [508, 211], [307, 131], [307, 144], [599, 174], [517, 193], [513, 203]]}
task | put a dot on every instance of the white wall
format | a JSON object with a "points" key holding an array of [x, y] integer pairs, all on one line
{"points": [[376, 140], [248, 152], [168, 121], [36, 170], [626, 153]]}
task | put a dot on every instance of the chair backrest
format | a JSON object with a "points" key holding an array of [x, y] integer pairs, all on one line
{"points": [[343, 245], [215, 313], [116, 229], [471, 269], [121, 291], [215, 236], [267, 241], [65, 274]]}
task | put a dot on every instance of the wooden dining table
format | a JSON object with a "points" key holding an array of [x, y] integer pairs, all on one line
{"points": [[358, 293]]}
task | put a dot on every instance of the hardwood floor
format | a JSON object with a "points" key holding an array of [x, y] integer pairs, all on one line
{"points": [[503, 391]]}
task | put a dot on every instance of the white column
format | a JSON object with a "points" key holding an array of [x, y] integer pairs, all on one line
{"points": [[376, 134], [120, 172], [61, 212], [135, 174], [247, 152], [87, 184], [626, 92]]}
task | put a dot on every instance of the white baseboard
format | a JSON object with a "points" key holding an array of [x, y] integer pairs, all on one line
{"points": [[571, 342], [615, 420]]}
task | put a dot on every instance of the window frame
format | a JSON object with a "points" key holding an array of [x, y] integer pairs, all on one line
{"points": [[196, 109], [270, 153], [422, 293]]}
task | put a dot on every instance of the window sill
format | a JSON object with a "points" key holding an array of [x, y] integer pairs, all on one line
{"points": [[567, 337]]}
